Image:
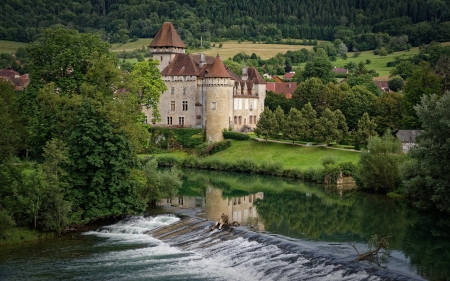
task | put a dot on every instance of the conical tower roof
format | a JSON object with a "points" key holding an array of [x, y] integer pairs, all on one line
{"points": [[218, 70], [167, 36]]}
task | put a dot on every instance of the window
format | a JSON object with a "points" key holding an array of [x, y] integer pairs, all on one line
{"points": [[172, 105], [184, 89], [235, 119], [240, 120], [169, 120], [246, 103], [181, 121], [214, 105], [172, 90], [250, 119], [185, 105]]}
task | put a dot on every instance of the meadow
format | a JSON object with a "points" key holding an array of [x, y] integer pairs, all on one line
{"points": [[10, 46]]}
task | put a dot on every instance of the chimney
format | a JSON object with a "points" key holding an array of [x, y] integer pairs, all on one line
{"points": [[244, 74], [202, 60]]}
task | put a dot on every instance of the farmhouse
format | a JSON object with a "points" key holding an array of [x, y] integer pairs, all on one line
{"points": [[201, 91]]}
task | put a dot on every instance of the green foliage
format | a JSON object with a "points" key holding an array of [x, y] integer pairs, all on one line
{"points": [[328, 159], [168, 160], [319, 67], [388, 112], [357, 101], [235, 135], [167, 138], [271, 168], [295, 126], [422, 82], [378, 165], [100, 175], [6, 221], [426, 177], [348, 168], [212, 148], [267, 123], [326, 128], [366, 129]]}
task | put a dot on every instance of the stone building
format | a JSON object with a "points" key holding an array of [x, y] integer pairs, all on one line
{"points": [[202, 92]]}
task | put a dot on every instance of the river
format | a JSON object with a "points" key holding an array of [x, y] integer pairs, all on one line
{"points": [[290, 230]]}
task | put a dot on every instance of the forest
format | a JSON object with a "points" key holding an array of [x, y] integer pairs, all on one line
{"points": [[353, 21]]}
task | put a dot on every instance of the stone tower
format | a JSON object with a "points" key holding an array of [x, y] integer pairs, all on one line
{"points": [[219, 87], [166, 44]]}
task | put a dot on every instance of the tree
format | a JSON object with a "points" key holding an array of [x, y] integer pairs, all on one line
{"points": [[310, 116], [326, 128], [147, 84], [266, 124], [366, 129], [10, 126], [426, 177], [309, 91], [62, 56], [357, 101], [383, 52], [278, 114], [274, 100], [422, 82], [295, 126], [389, 112], [365, 80], [378, 165], [319, 67], [403, 69], [343, 51], [100, 174], [396, 83]]}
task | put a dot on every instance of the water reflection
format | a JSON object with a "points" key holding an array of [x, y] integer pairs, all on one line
{"points": [[313, 212]]}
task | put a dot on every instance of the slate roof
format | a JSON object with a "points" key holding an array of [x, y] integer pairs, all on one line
{"points": [[254, 76], [167, 36], [407, 135], [181, 65]]}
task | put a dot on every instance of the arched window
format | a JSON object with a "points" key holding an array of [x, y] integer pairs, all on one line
{"points": [[240, 120], [235, 119], [250, 119]]}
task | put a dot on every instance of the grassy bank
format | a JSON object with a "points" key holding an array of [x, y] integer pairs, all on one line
{"points": [[22, 234]]}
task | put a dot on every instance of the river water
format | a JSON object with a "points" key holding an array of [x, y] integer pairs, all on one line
{"points": [[290, 231]]}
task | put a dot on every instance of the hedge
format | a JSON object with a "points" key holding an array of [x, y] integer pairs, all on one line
{"points": [[235, 135]]}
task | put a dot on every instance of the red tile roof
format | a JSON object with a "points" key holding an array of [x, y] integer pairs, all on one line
{"points": [[218, 70], [287, 88], [288, 75], [167, 36], [20, 81]]}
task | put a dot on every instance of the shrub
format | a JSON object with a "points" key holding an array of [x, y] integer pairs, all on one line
{"points": [[328, 159], [190, 162], [271, 168], [209, 149], [235, 135], [331, 173], [296, 173], [246, 166], [348, 168], [168, 161]]}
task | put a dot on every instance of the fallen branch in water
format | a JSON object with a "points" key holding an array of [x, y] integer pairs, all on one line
{"points": [[378, 249]]}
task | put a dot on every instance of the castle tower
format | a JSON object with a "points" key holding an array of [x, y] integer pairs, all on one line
{"points": [[166, 44], [219, 87]]}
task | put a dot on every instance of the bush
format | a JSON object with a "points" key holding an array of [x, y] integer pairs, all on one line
{"points": [[235, 135], [348, 168], [328, 159], [168, 161], [190, 162], [246, 166], [271, 168], [209, 149]]}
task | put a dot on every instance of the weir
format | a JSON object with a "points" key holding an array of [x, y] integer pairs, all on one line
{"points": [[268, 257]]}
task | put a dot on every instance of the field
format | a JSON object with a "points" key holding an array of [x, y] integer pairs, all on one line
{"points": [[10, 46], [131, 46]]}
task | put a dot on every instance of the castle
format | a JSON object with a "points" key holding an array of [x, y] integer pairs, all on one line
{"points": [[202, 92]]}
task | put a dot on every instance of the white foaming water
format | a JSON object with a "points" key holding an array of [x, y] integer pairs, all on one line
{"points": [[206, 257]]}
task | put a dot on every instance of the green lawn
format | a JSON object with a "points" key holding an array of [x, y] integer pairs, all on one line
{"points": [[131, 46], [10, 46], [300, 157]]}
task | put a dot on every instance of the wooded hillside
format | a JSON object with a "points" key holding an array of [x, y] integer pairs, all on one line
{"points": [[120, 20]]}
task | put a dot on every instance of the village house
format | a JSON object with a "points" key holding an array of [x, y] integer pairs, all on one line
{"points": [[407, 138], [202, 92], [282, 88], [338, 70], [12, 76]]}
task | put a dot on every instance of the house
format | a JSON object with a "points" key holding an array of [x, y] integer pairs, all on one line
{"points": [[201, 91], [19, 81], [288, 76], [407, 138], [338, 70], [277, 79], [383, 86], [282, 88]]}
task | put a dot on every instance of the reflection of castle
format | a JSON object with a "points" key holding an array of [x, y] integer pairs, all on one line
{"points": [[239, 209]]}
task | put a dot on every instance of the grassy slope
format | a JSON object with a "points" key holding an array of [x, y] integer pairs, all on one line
{"points": [[10, 46], [291, 156]]}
